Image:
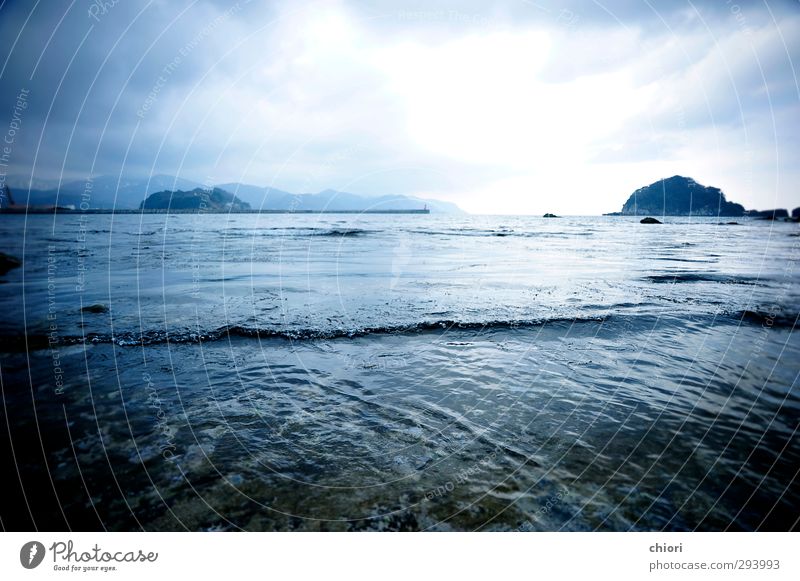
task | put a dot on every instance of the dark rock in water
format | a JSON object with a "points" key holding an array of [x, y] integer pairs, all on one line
{"points": [[548, 215], [649, 220], [796, 213], [775, 214], [729, 224], [95, 309], [680, 196], [8, 263]]}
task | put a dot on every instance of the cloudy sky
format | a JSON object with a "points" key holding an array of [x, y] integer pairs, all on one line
{"points": [[500, 107]]}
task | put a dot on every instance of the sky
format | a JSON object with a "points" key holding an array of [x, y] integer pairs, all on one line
{"points": [[511, 107]]}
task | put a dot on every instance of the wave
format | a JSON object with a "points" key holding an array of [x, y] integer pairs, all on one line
{"points": [[344, 232], [769, 318], [473, 233], [154, 337], [295, 232], [10, 342], [680, 277], [463, 232]]}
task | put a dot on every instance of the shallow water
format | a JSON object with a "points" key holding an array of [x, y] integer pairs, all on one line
{"points": [[401, 373]]}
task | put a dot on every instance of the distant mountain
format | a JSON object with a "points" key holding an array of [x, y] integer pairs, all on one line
{"points": [[679, 196], [332, 200], [100, 192], [214, 200], [108, 192], [258, 196]]}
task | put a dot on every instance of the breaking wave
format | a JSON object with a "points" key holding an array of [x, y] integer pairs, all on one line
{"points": [[37, 341]]}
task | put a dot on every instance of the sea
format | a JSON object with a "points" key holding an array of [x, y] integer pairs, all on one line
{"points": [[345, 372]]}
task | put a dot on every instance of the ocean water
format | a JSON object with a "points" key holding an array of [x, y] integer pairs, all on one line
{"points": [[399, 372]]}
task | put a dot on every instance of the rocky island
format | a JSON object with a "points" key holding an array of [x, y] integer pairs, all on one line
{"points": [[199, 199], [679, 196]]}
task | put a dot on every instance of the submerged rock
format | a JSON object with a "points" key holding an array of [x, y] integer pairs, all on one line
{"points": [[549, 215], [649, 220], [8, 263], [95, 309]]}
